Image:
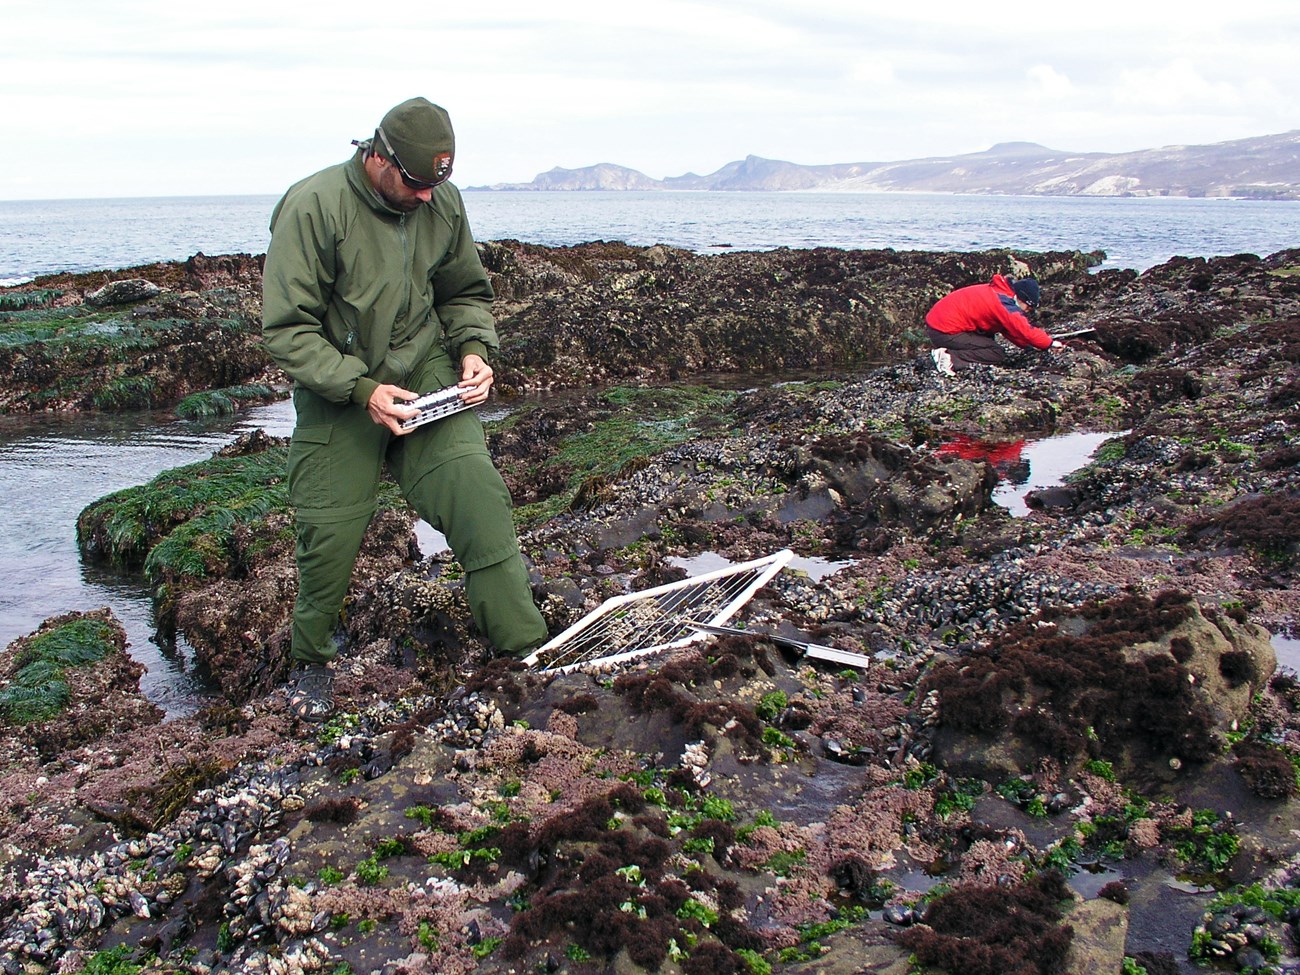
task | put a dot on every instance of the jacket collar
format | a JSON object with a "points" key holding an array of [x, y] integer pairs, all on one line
{"points": [[359, 180]]}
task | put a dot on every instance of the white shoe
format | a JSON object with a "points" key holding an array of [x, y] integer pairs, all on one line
{"points": [[942, 362]]}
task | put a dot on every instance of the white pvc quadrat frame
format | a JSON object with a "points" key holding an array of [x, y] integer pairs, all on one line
{"points": [[639, 623]]}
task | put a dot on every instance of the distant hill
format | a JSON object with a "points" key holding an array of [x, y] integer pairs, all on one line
{"points": [[1265, 167]]}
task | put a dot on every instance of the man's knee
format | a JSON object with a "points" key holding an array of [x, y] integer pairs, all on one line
{"points": [[466, 499], [501, 601]]}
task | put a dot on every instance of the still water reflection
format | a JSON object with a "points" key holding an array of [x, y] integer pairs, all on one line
{"points": [[51, 467], [1025, 466]]}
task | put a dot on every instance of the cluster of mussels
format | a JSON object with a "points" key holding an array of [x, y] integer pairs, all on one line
{"points": [[61, 899], [66, 897], [1243, 934], [977, 600]]}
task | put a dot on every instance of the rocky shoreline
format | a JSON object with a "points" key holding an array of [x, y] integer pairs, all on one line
{"points": [[1072, 751]]}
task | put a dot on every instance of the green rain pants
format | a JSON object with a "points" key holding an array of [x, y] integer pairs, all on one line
{"points": [[444, 470]]}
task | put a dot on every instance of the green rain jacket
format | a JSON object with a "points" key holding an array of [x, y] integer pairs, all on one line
{"points": [[356, 293]]}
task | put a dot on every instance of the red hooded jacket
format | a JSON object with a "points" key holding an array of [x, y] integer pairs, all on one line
{"points": [[989, 308]]}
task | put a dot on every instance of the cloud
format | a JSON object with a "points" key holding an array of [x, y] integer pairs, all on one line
{"points": [[143, 97], [1047, 82], [1173, 86]]}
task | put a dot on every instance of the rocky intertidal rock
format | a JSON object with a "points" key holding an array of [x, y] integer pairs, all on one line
{"points": [[1032, 704]]}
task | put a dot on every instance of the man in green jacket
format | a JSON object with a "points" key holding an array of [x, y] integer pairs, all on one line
{"points": [[373, 294]]}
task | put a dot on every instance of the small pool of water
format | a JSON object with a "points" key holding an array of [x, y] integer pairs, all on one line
{"points": [[1089, 878], [1287, 649], [1024, 465], [697, 565]]}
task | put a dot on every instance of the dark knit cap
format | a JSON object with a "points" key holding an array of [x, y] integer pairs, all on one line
{"points": [[421, 136], [1026, 290]]}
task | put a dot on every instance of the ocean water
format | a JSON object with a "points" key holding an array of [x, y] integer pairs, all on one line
{"points": [[51, 467], [44, 237]]}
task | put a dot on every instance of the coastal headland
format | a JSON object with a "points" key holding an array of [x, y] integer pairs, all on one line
{"points": [[1262, 168], [1073, 749]]}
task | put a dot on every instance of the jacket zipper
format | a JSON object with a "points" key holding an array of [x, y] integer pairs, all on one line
{"points": [[406, 261]]}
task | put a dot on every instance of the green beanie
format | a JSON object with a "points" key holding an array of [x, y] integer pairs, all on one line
{"points": [[421, 137]]}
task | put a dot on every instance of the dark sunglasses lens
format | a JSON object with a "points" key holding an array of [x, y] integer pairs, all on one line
{"points": [[413, 183], [440, 176]]}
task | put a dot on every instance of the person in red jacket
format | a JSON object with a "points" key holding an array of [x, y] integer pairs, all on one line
{"points": [[963, 326]]}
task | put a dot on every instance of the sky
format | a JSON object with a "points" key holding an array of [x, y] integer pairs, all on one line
{"points": [[134, 98]]}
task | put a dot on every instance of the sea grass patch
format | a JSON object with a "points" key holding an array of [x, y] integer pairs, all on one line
{"points": [[30, 298], [38, 689], [192, 510], [223, 402], [68, 683]]}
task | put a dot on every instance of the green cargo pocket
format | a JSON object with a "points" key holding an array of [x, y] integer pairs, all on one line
{"points": [[311, 467]]}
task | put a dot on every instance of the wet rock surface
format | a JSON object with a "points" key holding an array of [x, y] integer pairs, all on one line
{"points": [[1072, 744]]}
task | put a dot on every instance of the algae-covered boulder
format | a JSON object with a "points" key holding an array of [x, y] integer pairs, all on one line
{"points": [[1147, 684], [122, 292], [69, 683], [238, 622], [889, 483]]}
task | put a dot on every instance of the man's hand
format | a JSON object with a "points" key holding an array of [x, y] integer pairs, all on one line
{"points": [[386, 411], [475, 379]]}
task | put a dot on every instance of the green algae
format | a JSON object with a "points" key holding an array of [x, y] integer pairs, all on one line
{"points": [[105, 359], [69, 330], [196, 522], [208, 498], [639, 424], [126, 393], [39, 689], [23, 300], [45, 326], [221, 402], [112, 961], [647, 422]]}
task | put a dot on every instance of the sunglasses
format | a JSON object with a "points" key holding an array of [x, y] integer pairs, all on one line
{"points": [[441, 166]]}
